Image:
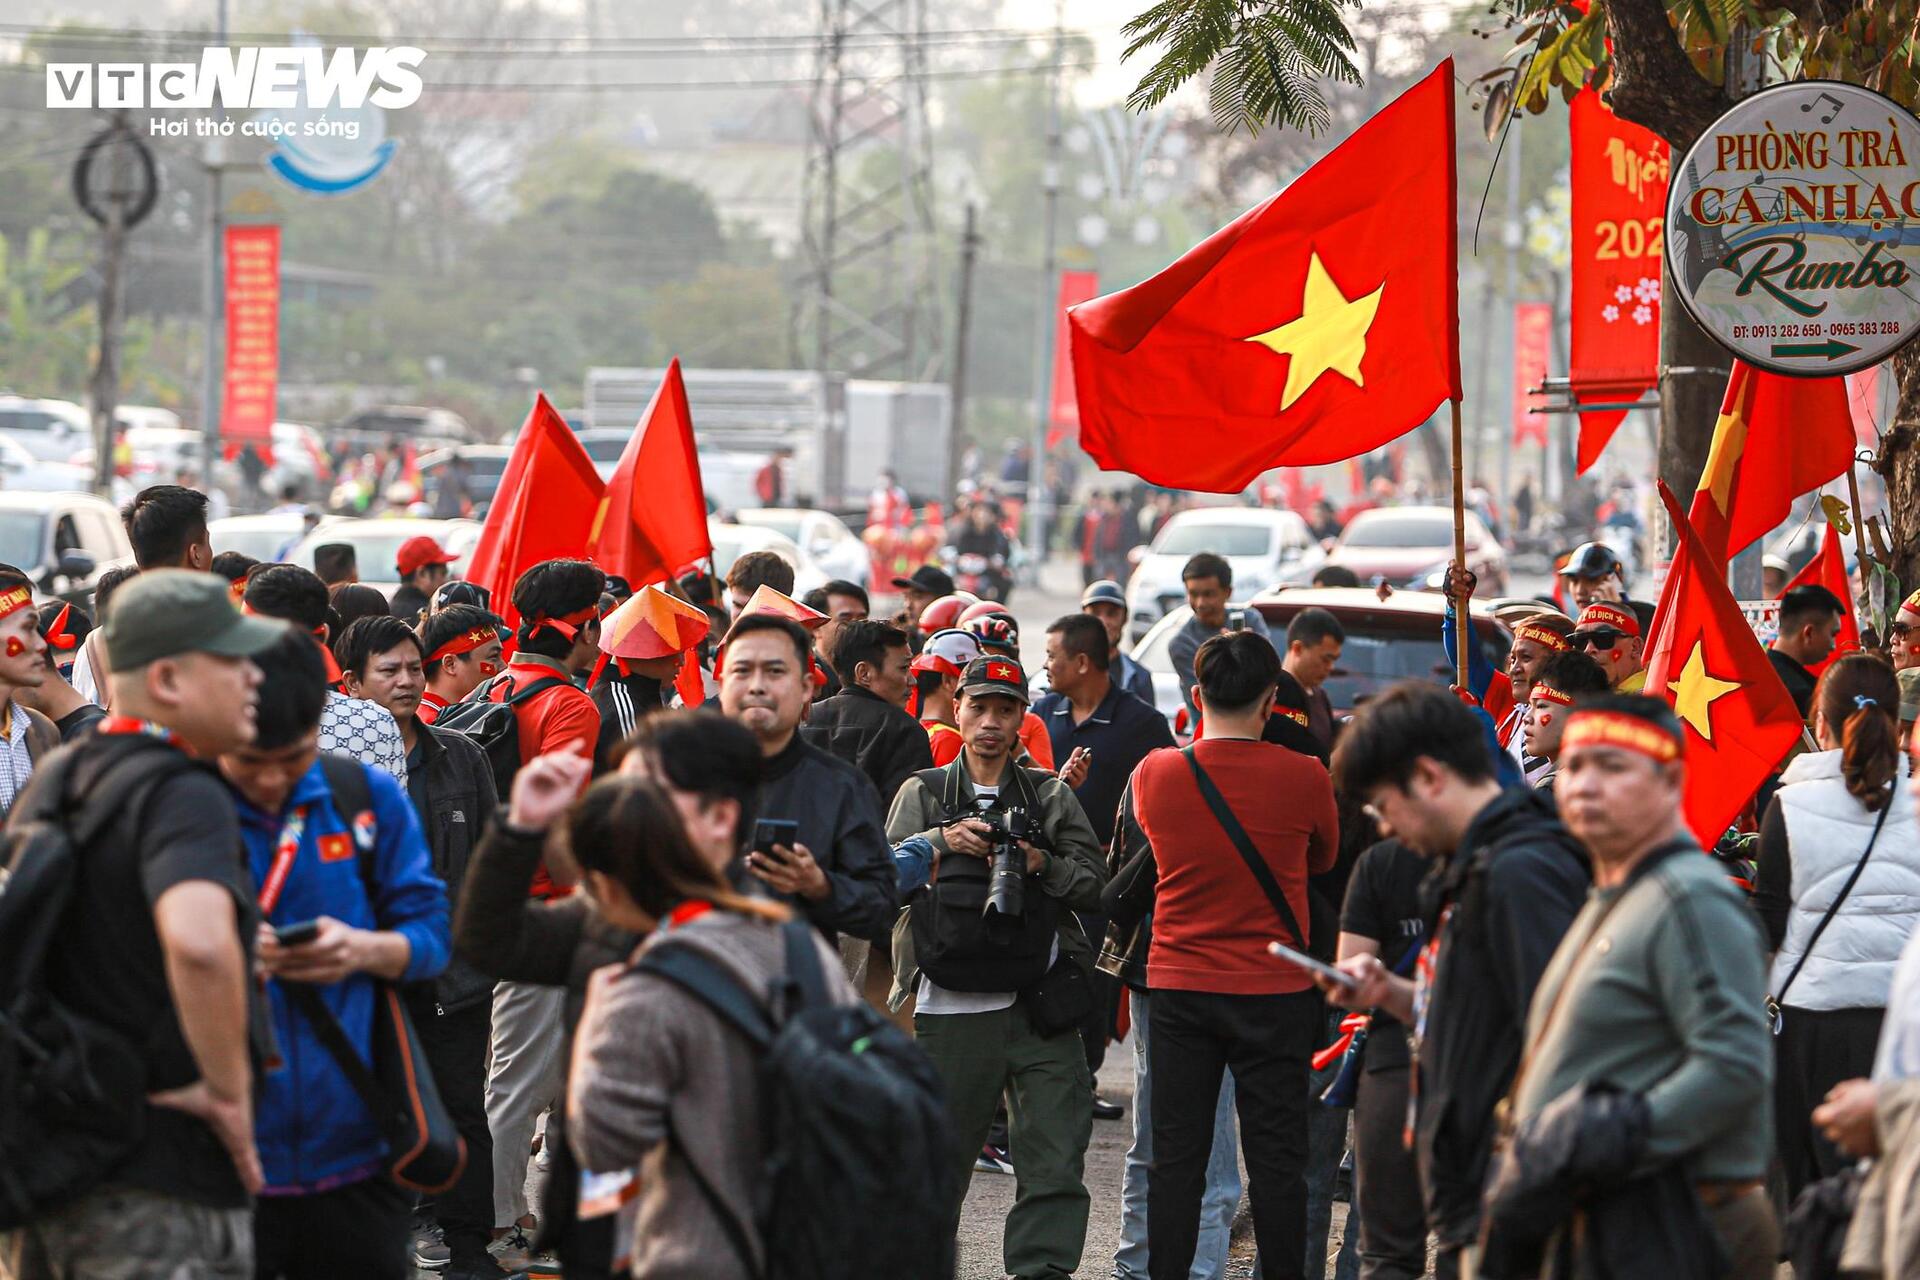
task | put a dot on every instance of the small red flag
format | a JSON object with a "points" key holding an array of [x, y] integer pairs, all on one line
{"points": [[1798, 434], [1314, 327], [1704, 659], [652, 523], [1829, 570], [543, 509]]}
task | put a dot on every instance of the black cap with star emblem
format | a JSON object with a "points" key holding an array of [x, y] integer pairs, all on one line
{"points": [[995, 675]]}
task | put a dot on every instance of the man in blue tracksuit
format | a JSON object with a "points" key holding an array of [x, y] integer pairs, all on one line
{"points": [[340, 857]]}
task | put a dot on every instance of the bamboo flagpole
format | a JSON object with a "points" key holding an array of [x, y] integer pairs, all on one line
{"points": [[1463, 622]]}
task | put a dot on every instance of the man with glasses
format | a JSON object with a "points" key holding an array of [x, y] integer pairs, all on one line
{"points": [[1610, 634], [1903, 637]]}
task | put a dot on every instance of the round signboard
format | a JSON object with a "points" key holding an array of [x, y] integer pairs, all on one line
{"points": [[1793, 228]]}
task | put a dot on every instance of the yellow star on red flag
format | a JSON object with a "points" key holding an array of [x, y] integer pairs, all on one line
{"points": [[1329, 334], [1695, 691]]}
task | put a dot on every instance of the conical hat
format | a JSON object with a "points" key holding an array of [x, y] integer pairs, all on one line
{"points": [[651, 624], [767, 600]]}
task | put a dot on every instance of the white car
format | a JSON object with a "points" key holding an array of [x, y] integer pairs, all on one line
{"points": [[826, 540], [264, 537], [1264, 548], [376, 545], [49, 429], [731, 541], [21, 471]]}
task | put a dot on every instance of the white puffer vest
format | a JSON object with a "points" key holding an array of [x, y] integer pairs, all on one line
{"points": [[1827, 831]]}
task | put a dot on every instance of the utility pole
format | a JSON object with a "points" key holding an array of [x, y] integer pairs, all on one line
{"points": [[214, 157], [957, 376], [104, 389], [1048, 299]]}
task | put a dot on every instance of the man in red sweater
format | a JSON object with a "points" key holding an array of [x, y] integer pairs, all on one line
{"points": [[1219, 1000]]}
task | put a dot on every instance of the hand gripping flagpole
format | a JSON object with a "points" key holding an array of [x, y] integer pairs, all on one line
{"points": [[1462, 622]]}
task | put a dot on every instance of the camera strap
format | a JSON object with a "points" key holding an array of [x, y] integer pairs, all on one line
{"points": [[1244, 844]]}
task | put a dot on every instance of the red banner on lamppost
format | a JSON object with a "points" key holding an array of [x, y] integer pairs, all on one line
{"points": [[1532, 336], [250, 396], [1063, 411], [1619, 215]]}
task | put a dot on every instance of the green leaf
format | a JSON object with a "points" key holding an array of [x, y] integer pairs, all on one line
{"points": [[1267, 57]]}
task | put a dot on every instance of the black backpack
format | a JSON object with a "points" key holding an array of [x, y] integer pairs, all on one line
{"points": [[952, 945], [492, 726], [859, 1175], [72, 1089]]}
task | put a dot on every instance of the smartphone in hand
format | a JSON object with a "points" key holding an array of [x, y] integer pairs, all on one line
{"points": [[768, 832], [296, 935]]}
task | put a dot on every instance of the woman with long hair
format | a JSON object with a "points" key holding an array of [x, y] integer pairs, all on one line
{"points": [[659, 1081], [1839, 890]]}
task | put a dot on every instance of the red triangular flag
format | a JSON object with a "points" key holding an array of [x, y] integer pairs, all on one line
{"points": [[1704, 659], [1829, 570], [652, 524], [1316, 326], [543, 509], [1799, 434]]}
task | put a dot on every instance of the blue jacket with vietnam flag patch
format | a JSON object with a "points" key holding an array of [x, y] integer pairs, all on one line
{"points": [[313, 1131]]}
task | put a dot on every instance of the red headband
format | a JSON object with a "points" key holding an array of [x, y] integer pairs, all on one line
{"points": [[58, 636], [567, 625], [14, 600], [1551, 694], [460, 644], [1604, 614], [1542, 636], [1612, 729], [319, 633]]}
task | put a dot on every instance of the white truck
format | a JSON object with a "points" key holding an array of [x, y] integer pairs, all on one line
{"points": [[842, 432]]}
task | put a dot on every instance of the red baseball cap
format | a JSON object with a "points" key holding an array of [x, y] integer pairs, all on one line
{"points": [[417, 553]]}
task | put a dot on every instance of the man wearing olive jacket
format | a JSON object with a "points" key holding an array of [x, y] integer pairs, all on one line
{"points": [[1001, 1013]]}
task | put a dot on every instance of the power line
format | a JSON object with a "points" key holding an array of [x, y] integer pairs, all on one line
{"points": [[796, 82], [803, 41]]}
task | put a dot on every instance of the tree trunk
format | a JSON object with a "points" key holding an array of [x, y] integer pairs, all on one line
{"points": [[1694, 371], [1899, 465]]}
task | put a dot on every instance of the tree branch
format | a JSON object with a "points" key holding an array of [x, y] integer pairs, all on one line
{"points": [[1654, 85]]}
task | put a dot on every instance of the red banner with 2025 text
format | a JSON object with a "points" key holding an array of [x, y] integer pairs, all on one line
{"points": [[250, 396], [1619, 215]]}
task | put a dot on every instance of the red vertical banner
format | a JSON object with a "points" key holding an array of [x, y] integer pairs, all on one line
{"points": [[1863, 402], [250, 396], [1619, 221], [1063, 411], [1532, 337]]}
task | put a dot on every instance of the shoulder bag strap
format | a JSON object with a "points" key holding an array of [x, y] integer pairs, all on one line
{"points": [[539, 686], [1244, 843], [712, 986], [1775, 1000], [333, 1038]]}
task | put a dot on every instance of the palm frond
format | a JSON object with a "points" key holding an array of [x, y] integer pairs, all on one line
{"points": [[1267, 56]]}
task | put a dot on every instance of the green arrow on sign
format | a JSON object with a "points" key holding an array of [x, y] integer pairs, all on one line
{"points": [[1832, 348]]}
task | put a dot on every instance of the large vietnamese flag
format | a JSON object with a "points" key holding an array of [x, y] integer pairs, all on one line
{"points": [[1777, 438], [1316, 326], [1703, 658], [652, 522], [543, 509], [1829, 570]]}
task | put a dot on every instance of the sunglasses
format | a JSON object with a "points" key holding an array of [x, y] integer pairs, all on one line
{"points": [[1598, 638]]}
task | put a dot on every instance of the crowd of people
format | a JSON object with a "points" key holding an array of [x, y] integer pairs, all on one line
{"points": [[326, 916]]}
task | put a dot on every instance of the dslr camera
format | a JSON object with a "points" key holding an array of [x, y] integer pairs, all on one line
{"points": [[1007, 878]]}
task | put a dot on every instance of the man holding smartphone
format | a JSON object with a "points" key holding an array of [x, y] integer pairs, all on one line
{"points": [[839, 870]]}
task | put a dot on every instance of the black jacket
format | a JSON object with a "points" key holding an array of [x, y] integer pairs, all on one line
{"points": [[452, 790], [1566, 1204], [622, 702], [873, 735], [1497, 908], [409, 602], [840, 823]]}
